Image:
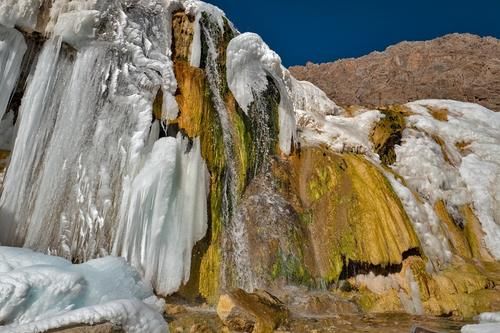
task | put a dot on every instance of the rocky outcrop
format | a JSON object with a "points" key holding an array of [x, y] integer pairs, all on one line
{"points": [[462, 67], [259, 312]]}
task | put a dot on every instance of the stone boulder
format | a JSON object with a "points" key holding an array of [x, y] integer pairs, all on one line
{"points": [[258, 312]]}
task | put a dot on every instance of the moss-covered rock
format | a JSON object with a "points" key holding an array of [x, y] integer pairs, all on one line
{"points": [[355, 217], [388, 132], [455, 235]]}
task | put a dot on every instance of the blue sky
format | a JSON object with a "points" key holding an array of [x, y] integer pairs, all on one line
{"points": [[322, 31]]}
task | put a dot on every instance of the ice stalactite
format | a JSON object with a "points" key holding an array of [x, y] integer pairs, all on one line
{"points": [[37, 115], [12, 49], [165, 213]]}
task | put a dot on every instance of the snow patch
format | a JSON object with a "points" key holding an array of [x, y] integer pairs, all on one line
{"points": [[489, 322]]}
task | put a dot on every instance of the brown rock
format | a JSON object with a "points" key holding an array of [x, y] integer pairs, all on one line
{"points": [[259, 312], [174, 309], [462, 67], [200, 328]]}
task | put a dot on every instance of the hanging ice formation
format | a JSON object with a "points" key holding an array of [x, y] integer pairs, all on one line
{"points": [[89, 174]]}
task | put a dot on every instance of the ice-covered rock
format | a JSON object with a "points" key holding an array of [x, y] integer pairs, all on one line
{"points": [[249, 64], [470, 171]]}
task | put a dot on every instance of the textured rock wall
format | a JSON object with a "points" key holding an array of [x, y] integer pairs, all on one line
{"points": [[462, 67]]}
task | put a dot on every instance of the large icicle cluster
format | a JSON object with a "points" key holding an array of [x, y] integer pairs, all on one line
{"points": [[165, 213]]}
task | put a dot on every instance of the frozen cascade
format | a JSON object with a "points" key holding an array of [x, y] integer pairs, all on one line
{"points": [[85, 141], [12, 49], [236, 234], [166, 213]]}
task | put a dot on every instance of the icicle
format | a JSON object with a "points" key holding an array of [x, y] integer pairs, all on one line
{"points": [[37, 115], [12, 49]]}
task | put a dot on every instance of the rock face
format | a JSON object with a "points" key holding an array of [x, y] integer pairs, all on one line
{"points": [[259, 312], [462, 67]]}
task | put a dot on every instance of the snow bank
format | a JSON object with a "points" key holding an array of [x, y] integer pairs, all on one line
{"points": [[39, 292], [425, 222], [249, 64], [309, 98]]}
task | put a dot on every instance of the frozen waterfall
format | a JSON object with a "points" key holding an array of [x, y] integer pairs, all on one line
{"points": [[90, 174]]}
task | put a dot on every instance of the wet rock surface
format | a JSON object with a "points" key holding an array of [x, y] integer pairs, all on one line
{"points": [[201, 319]]}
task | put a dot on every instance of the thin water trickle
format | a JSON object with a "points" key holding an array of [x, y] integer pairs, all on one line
{"points": [[238, 259]]}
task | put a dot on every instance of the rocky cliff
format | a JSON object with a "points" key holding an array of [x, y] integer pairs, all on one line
{"points": [[461, 67]]}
